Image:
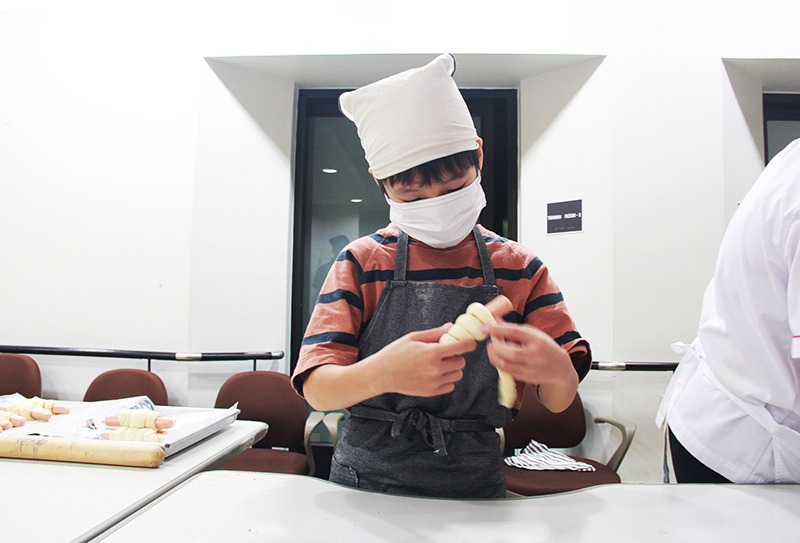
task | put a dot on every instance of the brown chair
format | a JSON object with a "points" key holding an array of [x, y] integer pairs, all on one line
{"points": [[126, 383], [558, 431], [20, 374], [268, 396]]}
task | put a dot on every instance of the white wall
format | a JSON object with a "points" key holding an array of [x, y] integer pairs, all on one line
{"points": [[97, 151], [566, 155], [146, 188], [241, 247]]}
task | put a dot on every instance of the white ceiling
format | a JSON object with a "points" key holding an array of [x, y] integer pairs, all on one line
{"points": [[349, 71], [336, 150], [776, 74], [472, 70]]}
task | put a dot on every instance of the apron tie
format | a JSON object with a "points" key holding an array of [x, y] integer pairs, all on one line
{"points": [[429, 426]]}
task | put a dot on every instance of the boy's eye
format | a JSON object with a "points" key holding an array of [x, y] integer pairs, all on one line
{"points": [[457, 188]]}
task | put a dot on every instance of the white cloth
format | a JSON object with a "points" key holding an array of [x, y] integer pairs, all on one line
{"points": [[734, 401], [411, 118], [537, 456]]}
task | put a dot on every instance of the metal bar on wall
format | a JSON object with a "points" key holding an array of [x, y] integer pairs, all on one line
{"points": [[145, 355], [634, 366]]}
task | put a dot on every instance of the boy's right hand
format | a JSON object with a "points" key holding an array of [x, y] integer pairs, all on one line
{"points": [[418, 365], [414, 365]]}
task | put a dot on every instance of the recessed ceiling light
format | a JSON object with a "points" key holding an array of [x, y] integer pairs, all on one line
{"points": [[356, 200], [329, 170]]}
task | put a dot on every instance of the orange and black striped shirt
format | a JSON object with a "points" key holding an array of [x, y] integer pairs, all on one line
{"points": [[351, 291]]}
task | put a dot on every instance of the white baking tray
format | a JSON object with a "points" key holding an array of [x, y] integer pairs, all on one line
{"points": [[86, 421]]}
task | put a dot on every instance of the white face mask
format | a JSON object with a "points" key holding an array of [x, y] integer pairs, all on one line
{"points": [[443, 221]]}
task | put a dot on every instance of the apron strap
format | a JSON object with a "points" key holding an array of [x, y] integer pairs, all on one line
{"points": [[401, 257], [486, 260], [430, 426]]}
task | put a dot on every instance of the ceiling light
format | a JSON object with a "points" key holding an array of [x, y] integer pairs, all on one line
{"points": [[356, 200], [329, 170]]}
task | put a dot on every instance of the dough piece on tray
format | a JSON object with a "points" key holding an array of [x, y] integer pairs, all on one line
{"points": [[11, 418], [35, 409], [28, 410], [140, 418]]}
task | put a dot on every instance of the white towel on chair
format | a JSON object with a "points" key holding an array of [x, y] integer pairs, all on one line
{"points": [[538, 457]]}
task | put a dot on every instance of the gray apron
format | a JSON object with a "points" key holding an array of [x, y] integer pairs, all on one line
{"points": [[444, 446]]}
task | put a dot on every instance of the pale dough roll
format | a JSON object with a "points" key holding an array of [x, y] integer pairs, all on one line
{"points": [[23, 409], [145, 435], [13, 418], [447, 338], [138, 418], [480, 312], [44, 404], [468, 326], [471, 324], [506, 389]]}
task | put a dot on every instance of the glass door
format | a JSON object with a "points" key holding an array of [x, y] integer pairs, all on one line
{"points": [[337, 200]]}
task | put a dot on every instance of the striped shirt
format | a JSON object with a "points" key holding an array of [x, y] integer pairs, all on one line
{"points": [[351, 291]]}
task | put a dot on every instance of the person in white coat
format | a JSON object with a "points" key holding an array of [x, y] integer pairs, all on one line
{"points": [[733, 405]]}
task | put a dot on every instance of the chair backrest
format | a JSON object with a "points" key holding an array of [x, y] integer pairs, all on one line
{"points": [[535, 421], [126, 383], [267, 396], [19, 373]]}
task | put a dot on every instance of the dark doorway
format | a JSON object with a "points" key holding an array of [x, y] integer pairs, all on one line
{"points": [[337, 200]]}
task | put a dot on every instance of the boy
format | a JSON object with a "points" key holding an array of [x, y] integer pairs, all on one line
{"points": [[423, 414]]}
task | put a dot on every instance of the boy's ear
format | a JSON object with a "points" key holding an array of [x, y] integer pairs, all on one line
{"points": [[480, 153]]}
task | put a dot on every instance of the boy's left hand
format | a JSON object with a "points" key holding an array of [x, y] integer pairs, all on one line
{"points": [[531, 356]]}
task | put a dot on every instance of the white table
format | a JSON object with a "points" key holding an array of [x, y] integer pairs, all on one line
{"points": [[238, 506], [79, 501]]}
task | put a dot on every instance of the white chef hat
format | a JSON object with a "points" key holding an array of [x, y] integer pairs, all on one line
{"points": [[411, 118]]}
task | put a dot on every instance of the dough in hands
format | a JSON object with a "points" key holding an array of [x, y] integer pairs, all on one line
{"points": [[506, 389], [468, 326], [472, 325], [459, 332]]}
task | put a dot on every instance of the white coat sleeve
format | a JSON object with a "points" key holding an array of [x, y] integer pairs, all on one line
{"points": [[792, 254]]}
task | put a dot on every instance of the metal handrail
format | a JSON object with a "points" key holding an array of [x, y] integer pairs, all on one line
{"points": [[148, 355], [634, 366], [256, 356]]}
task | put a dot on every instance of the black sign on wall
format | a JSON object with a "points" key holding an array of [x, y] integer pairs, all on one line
{"points": [[564, 217]]}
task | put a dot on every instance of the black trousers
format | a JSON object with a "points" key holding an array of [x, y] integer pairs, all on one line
{"points": [[689, 469]]}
